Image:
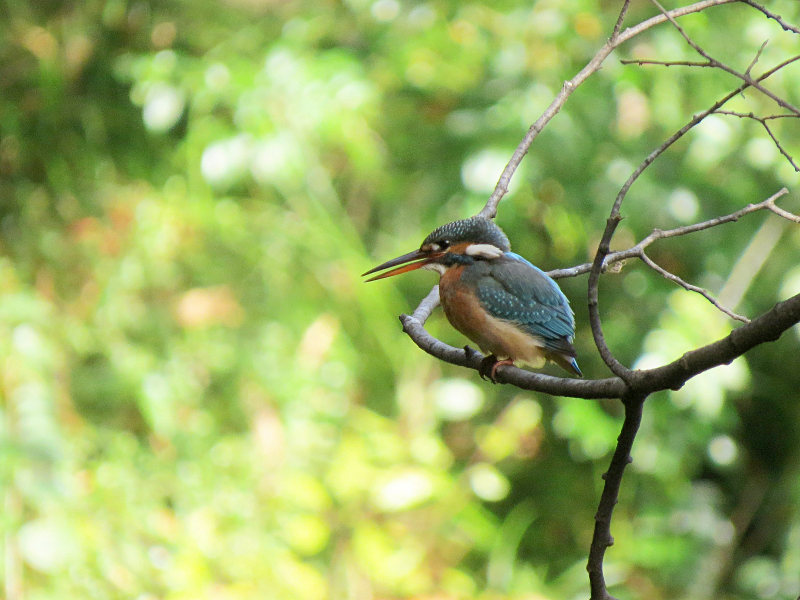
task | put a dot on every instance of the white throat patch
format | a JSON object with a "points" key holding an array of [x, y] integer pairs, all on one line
{"points": [[440, 269], [484, 251]]}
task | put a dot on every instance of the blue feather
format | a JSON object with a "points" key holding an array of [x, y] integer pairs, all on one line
{"points": [[520, 292]]}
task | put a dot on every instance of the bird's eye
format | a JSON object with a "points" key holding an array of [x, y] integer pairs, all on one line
{"points": [[436, 246]]}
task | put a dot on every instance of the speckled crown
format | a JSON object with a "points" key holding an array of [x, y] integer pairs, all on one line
{"points": [[478, 230]]}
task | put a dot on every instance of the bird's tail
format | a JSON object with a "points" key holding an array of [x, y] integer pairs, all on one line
{"points": [[567, 362]]}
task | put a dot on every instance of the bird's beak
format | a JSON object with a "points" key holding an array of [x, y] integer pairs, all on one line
{"points": [[407, 261]]}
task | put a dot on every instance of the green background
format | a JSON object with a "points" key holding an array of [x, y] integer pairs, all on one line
{"points": [[201, 399]]}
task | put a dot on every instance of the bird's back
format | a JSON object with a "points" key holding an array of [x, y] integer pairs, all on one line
{"points": [[511, 308]]}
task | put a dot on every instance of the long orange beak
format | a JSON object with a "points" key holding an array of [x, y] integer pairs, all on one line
{"points": [[421, 258]]}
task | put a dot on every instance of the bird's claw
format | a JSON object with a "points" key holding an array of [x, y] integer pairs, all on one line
{"points": [[487, 368]]}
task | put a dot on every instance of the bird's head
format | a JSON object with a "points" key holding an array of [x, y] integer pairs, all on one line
{"points": [[459, 242]]}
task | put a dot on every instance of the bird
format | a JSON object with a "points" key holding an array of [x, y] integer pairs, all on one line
{"points": [[511, 309]]}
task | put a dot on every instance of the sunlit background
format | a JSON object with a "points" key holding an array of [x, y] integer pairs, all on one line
{"points": [[201, 399]]}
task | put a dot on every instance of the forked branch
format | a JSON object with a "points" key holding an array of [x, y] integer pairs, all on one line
{"points": [[617, 38], [615, 217], [638, 250], [765, 124]]}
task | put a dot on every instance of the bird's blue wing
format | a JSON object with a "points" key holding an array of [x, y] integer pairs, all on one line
{"points": [[515, 290]]}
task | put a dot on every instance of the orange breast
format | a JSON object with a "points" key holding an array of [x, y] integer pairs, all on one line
{"points": [[496, 336], [461, 306]]}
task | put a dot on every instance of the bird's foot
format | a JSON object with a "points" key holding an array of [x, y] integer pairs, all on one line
{"points": [[486, 367], [489, 365]]}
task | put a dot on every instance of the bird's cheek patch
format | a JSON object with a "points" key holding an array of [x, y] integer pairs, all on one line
{"points": [[484, 251]]}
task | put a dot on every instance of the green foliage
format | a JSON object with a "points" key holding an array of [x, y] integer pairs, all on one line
{"points": [[202, 400]]}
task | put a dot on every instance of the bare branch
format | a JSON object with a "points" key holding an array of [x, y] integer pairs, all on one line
{"points": [[528, 380], [751, 115], [601, 538], [595, 324], [659, 234], [778, 145], [633, 387], [604, 247], [763, 121], [617, 38], [428, 304], [743, 76], [778, 67], [637, 385], [783, 213], [665, 63], [490, 209], [766, 328], [603, 253], [620, 18], [637, 251], [755, 58], [614, 218], [675, 14], [786, 26], [692, 288]]}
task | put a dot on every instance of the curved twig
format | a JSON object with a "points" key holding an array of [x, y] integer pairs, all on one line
{"points": [[617, 37], [661, 234], [614, 218], [637, 251], [722, 66], [692, 288], [763, 121], [771, 15]]}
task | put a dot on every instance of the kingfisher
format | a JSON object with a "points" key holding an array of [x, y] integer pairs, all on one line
{"points": [[499, 300]]}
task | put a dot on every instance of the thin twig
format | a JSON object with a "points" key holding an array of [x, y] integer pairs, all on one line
{"points": [[637, 251], [751, 115], [428, 304], [785, 214], [660, 234], [722, 66], [692, 288], [614, 218], [786, 26], [755, 58], [763, 121], [618, 37], [665, 63], [620, 19], [778, 145], [674, 13]]}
